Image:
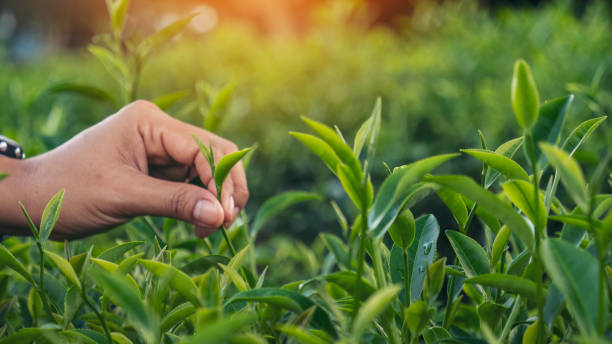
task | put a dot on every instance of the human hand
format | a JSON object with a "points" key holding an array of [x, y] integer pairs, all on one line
{"points": [[135, 162]]}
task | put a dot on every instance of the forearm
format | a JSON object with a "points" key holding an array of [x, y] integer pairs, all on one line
{"points": [[13, 189]]}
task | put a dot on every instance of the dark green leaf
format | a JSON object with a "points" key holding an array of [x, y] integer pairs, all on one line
{"points": [[176, 315], [550, 122], [403, 230], [510, 283], [346, 280], [115, 253], [221, 330], [200, 265], [471, 255]]}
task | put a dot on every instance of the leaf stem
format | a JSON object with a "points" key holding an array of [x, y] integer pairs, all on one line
{"points": [[227, 240], [449, 302], [510, 321], [360, 262], [98, 314], [406, 278], [41, 282]]}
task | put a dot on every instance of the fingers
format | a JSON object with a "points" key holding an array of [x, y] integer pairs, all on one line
{"points": [[169, 140], [178, 200]]}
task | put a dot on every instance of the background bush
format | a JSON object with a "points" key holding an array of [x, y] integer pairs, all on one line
{"points": [[445, 72]]}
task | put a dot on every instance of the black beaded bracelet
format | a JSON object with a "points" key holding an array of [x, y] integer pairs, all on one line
{"points": [[11, 148]]}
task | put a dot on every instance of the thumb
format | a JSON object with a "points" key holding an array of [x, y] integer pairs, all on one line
{"points": [[182, 201]]}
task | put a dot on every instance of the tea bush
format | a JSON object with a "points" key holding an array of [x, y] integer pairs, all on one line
{"points": [[380, 280]]}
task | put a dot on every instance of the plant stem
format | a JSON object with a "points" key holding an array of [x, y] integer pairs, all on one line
{"points": [[406, 278], [228, 241], [98, 315], [449, 302], [511, 318], [41, 282], [541, 337], [360, 262], [378, 267]]}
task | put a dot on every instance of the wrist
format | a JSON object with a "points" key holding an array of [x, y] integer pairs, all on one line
{"points": [[15, 188]]}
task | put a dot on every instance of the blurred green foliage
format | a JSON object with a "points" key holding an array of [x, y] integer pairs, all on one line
{"points": [[443, 74]]}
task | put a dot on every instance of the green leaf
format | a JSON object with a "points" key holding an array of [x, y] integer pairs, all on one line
{"points": [[420, 254], [455, 203], [50, 215], [29, 335], [83, 90], [277, 204], [117, 10], [85, 336], [468, 188], [395, 191], [435, 277], [344, 152], [233, 275], [471, 255], [346, 280], [3, 175], [206, 152], [522, 194], [221, 330], [352, 186], [550, 122], [570, 173], [200, 265], [531, 334], [165, 101], [301, 335], [372, 308], [176, 315], [403, 230], [507, 149], [581, 134], [524, 95], [179, 281], [436, 334], [164, 35], [574, 271], [226, 163], [65, 267], [503, 164], [120, 291], [106, 265], [509, 283], [112, 63], [491, 314], [115, 253], [337, 247], [416, 316], [320, 148], [213, 118], [31, 224], [368, 132], [120, 338], [499, 244], [72, 304]]}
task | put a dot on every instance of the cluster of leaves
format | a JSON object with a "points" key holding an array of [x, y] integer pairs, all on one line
{"points": [[381, 280]]}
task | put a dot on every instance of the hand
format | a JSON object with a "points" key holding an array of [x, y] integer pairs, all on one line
{"points": [[135, 162]]}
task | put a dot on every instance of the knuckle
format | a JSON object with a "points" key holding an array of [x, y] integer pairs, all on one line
{"points": [[178, 203], [141, 107]]}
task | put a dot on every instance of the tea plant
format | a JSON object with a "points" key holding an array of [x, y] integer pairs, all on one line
{"points": [[380, 281]]}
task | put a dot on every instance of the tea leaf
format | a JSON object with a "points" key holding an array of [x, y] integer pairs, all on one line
{"points": [[507, 149], [29, 335], [65, 267], [83, 90], [221, 330], [499, 244], [178, 279], [467, 187], [574, 271], [395, 191], [337, 247], [550, 122], [471, 255], [435, 335], [120, 338], [503, 164], [166, 101], [176, 315], [337, 144], [455, 204], [346, 280], [403, 230], [112, 63], [522, 194], [11, 261], [277, 204], [72, 304], [435, 277], [226, 163], [50, 215], [115, 253], [570, 173], [117, 10], [368, 132], [119, 290], [320, 148], [416, 316], [372, 308], [302, 335], [202, 264], [524, 95], [351, 185], [212, 120], [106, 265], [581, 134], [164, 35], [510, 283], [235, 277]]}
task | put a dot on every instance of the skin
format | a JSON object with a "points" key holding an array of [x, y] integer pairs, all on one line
{"points": [[135, 162]]}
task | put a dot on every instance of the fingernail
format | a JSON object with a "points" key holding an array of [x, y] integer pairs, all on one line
{"points": [[206, 211]]}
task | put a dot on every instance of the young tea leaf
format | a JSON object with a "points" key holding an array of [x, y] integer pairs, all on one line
{"points": [[372, 308], [50, 215], [503, 164], [570, 172], [65, 267], [178, 279], [225, 165], [403, 230], [522, 194], [524, 95], [320, 148], [510, 283], [164, 35], [471, 255], [11, 261]]}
